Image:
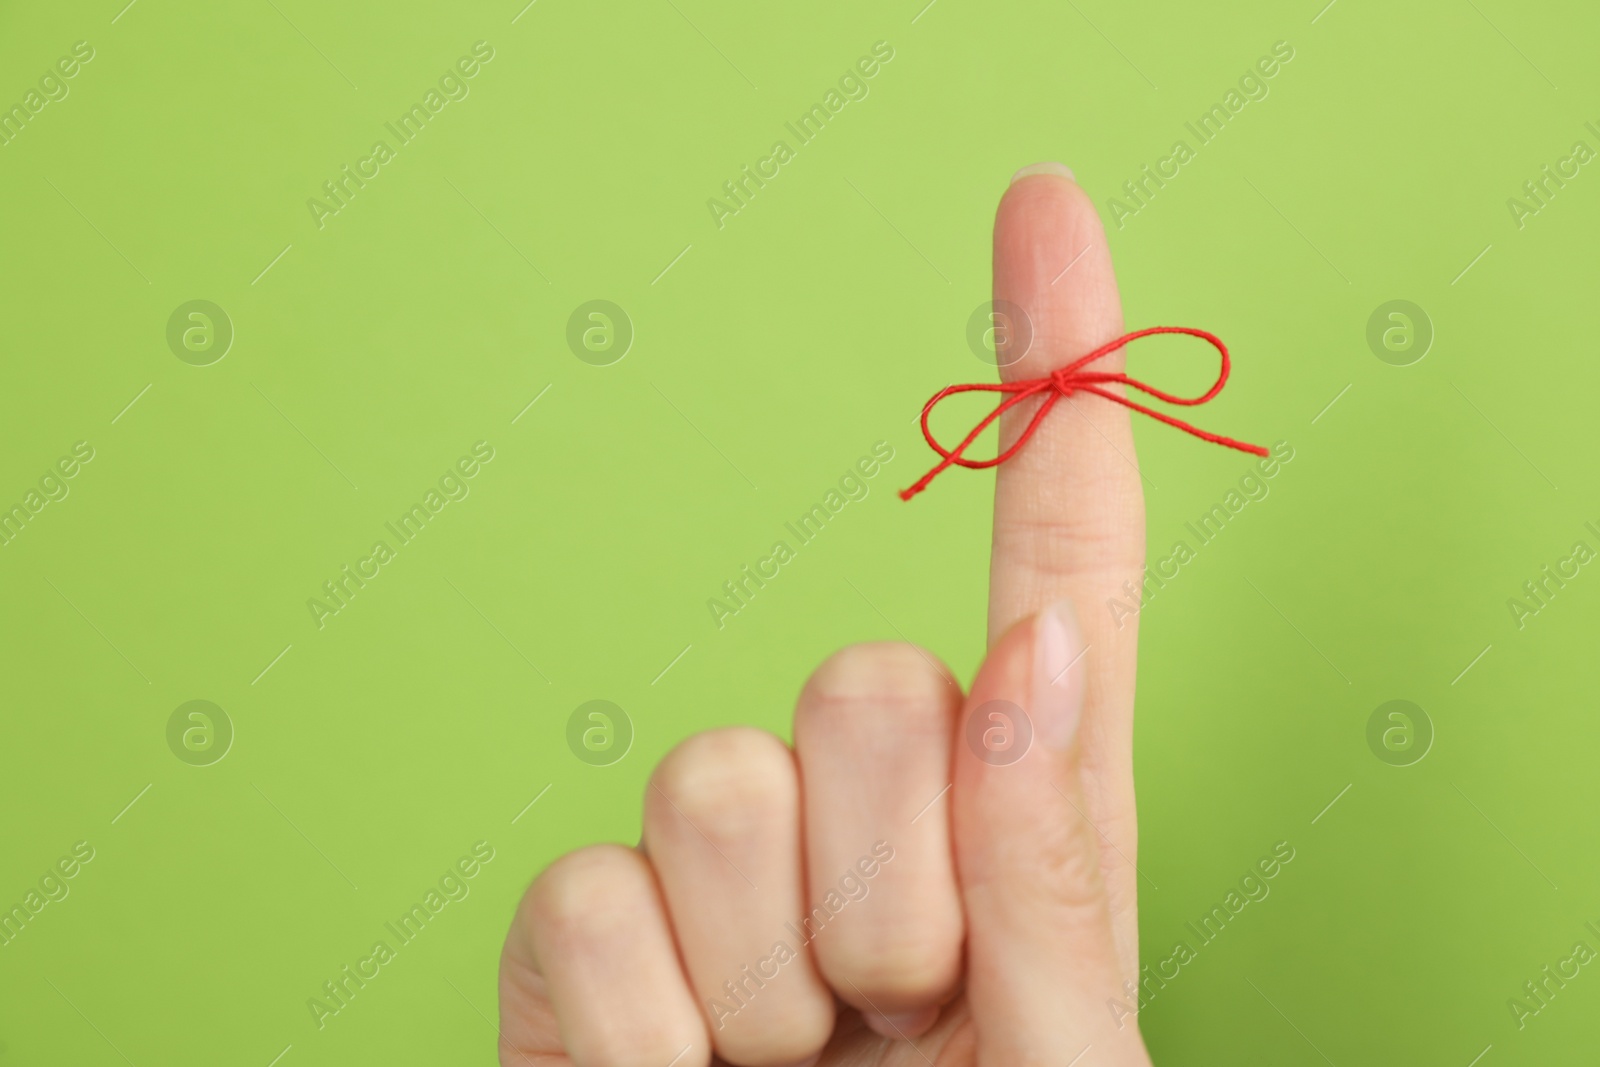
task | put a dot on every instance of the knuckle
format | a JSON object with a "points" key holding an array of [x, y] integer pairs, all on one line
{"points": [[1052, 869], [1066, 865], [727, 783], [590, 892], [635, 1042], [1051, 549], [801, 1032], [897, 967], [870, 684]]}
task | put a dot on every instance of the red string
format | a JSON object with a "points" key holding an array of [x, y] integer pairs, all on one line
{"points": [[1063, 382]]}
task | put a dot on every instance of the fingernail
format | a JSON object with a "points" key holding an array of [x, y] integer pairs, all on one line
{"points": [[1059, 656], [1060, 170], [901, 1026]]}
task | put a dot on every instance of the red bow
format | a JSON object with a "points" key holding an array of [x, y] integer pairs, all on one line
{"points": [[1063, 382]]}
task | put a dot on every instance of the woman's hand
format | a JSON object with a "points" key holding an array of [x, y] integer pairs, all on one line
{"points": [[927, 878]]}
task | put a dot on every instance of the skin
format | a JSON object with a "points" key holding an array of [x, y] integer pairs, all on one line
{"points": [[1006, 916]]}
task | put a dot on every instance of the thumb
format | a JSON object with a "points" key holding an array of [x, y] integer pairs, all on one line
{"points": [[1043, 979]]}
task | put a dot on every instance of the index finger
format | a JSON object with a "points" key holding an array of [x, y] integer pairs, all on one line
{"points": [[1068, 508]]}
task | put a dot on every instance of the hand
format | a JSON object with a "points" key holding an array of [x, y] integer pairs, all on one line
{"points": [[833, 900]]}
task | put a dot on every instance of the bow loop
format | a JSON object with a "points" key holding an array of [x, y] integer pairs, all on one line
{"points": [[1063, 382]]}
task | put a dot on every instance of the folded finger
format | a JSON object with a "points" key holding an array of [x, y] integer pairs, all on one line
{"points": [[872, 733], [722, 826], [591, 940]]}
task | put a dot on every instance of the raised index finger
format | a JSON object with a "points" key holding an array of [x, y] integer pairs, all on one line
{"points": [[1068, 508]]}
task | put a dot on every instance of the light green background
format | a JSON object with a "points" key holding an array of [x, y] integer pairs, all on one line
{"points": [[767, 359]]}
